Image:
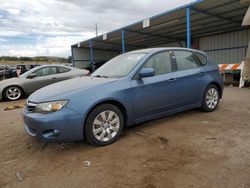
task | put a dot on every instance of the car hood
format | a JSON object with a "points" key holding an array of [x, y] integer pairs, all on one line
{"points": [[66, 88]]}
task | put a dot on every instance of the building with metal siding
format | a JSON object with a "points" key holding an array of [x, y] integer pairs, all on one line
{"points": [[227, 48], [210, 25]]}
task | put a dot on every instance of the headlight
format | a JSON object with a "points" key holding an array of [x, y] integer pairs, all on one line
{"points": [[49, 107]]}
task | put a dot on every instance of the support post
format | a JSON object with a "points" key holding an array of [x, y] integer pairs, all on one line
{"points": [[72, 57], [123, 42], [91, 55], [188, 28]]}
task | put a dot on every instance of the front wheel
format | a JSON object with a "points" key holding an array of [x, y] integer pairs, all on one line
{"points": [[12, 93], [104, 125], [211, 98]]}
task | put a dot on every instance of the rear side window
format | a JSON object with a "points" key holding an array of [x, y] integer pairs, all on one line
{"points": [[202, 58], [186, 60], [160, 62], [45, 71], [63, 69]]}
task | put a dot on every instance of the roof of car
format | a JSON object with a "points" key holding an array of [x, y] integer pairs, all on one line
{"points": [[153, 50], [52, 65]]}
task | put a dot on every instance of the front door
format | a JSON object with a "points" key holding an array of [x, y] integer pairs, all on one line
{"points": [[44, 76], [156, 94]]}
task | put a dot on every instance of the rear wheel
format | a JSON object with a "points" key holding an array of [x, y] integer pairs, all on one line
{"points": [[12, 93], [211, 98], [104, 125]]}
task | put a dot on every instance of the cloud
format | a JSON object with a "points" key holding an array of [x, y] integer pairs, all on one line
{"points": [[14, 11], [49, 27], [10, 33], [3, 40], [47, 46]]}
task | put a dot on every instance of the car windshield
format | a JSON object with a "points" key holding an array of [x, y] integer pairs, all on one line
{"points": [[24, 75], [119, 66]]}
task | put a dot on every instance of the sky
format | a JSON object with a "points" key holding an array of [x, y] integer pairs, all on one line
{"points": [[49, 27]]}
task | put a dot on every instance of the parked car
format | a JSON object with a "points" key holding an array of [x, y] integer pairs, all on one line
{"points": [[36, 78], [4, 71], [17, 70], [26, 67], [21, 69], [131, 88]]}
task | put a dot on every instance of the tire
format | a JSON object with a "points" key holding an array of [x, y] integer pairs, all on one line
{"points": [[12, 93], [211, 98], [104, 125]]}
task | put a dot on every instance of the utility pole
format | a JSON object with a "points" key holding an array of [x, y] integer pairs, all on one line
{"points": [[96, 30]]}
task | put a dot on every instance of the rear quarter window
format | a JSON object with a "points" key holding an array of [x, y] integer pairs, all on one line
{"points": [[63, 69], [186, 60], [202, 58]]}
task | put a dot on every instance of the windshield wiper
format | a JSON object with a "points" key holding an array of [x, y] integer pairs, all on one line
{"points": [[100, 76]]}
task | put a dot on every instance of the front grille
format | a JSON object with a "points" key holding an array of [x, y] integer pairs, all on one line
{"points": [[31, 106]]}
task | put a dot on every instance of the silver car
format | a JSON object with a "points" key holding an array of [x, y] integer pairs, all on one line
{"points": [[36, 78]]}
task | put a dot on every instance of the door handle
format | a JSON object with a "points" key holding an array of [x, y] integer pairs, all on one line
{"points": [[53, 78], [172, 80], [202, 73]]}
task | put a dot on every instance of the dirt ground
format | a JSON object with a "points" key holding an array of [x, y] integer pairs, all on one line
{"points": [[188, 149]]}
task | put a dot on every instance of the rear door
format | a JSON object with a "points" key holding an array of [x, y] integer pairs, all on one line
{"points": [[190, 78], [64, 73], [156, 94]]}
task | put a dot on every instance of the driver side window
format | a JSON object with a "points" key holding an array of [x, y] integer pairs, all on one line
{"points": [[160, 62], [45, 71]]}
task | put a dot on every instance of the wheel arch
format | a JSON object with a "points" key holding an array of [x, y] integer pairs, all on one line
{"points": [[218, 86], [114, 102]]}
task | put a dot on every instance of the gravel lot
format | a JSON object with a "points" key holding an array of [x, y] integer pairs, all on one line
{"points": [[188, 149]]}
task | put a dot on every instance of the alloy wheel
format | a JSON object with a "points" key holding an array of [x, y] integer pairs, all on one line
{"points": [[13, 93], [106, 126], [212, 98]]}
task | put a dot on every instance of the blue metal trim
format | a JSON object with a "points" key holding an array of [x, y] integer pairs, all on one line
{"points": [[188, 28], [226, 31], [102, 49], [222, 49], [91, 55], [197, 20], [123, 42], [214, 15], [152, 35], [117, 44]]}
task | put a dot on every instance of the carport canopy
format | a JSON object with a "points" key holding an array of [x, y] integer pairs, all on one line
{"points": [[181, 26]]}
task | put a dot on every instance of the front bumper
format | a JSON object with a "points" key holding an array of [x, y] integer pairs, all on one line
{"points": [[1, 93], [64, 125]]}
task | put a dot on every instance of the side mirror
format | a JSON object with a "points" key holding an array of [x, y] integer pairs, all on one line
{"points": [[32, 75], [146, 72]]}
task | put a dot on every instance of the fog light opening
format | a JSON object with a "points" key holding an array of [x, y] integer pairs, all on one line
{"points": [[50, 133]]}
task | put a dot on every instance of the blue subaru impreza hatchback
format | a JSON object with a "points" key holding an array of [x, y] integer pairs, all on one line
{"points": [[130, 88]]}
